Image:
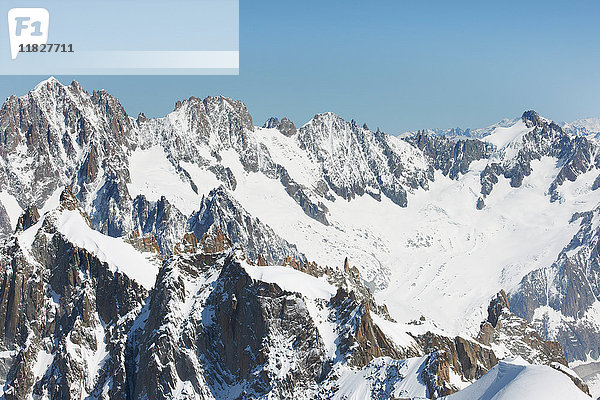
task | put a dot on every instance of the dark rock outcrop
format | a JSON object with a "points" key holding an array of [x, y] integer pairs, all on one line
{"points": [[467, 358], [285, 126], [160, 220], [65, 305], [29, 218]]}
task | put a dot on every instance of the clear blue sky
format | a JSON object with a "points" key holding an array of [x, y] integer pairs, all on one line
{"points": [[397, 65]]}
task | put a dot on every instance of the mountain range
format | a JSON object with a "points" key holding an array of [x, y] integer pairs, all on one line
{"points": [[200, 255]]}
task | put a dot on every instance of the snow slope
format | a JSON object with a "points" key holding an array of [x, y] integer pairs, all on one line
{"points": [[400, 377], [120, 256], [516, 379], [12, 208], [291, 280], [504, 136], [153, 176]]}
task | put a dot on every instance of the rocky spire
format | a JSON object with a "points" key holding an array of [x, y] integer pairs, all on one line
{"points": [[496, 307]]}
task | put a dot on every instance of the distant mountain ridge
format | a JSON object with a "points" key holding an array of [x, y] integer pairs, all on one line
{"points": [[584, 126]]}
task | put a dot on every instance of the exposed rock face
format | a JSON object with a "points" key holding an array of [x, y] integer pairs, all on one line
{"points": [[573, 286], [504, 330], [29, 218], [361, 340], [272, 122], [466, 358], [160, 220], [436, 375], [147, 243], [215, 241], [189, 244], [65, 314], [316, 211], [497, 307], [237, 335], [366, 162], [286, 126], [451, 157], [222, 211], [5, 225], [64, 135]]}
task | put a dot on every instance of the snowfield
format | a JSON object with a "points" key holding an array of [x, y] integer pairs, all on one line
{"points": [[515, 379], [12, 208], [153, 176], [292, 280], [120, 256]]}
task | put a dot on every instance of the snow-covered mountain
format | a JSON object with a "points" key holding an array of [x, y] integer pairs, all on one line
{"points": [[586, 126], [211, 252], [516, 379], [476, 133]]}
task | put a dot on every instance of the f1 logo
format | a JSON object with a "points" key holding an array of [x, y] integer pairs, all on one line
{"points": [[27, 26]]}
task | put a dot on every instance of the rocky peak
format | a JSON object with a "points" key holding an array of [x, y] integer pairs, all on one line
{"points": [[531, 118], [285, 126], [50, 85], [361, 340], [216, 108], [68, 201], [543, 138], [510, 335], [141, 118], [356, 161], [497, 307], [272, 122], [76, 87], [118, 121]]}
